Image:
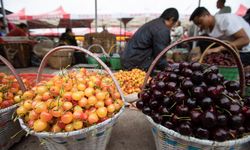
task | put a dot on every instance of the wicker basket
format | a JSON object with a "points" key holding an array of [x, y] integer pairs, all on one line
{"points": [[10, 131], [169, 139], [104, 38], [92, 138], [229, 72], [61, 59]]}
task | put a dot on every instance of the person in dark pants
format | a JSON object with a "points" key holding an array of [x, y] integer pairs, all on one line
{"points": [[229, 27], [148, 41]]}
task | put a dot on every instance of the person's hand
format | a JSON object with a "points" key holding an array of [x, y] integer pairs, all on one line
{"points": [[214, 50]]}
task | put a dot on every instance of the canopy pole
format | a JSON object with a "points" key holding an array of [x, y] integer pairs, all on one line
{"points": [[95, 15], [4, 18]]}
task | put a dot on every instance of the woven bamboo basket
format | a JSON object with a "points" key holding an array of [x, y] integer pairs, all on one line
{"points": [[94, 137], [104, 38], [229, 72], [166, 139], [61, 59], [10, 131]]}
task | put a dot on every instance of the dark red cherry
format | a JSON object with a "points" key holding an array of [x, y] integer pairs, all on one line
{"points": [[139, 104], [220, 135], [195, 66], [208, 119], [202, 133], [185, 129]]}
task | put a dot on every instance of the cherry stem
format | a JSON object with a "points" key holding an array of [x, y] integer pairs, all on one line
{"points": [[232, 99], [172, 106], [184, 118], [223, 109], [168, 115]]}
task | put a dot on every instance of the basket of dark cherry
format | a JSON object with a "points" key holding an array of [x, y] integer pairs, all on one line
{"points": [[191, 106]]}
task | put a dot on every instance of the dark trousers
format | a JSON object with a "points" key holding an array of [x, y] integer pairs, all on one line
{"points": [[245, 58]]}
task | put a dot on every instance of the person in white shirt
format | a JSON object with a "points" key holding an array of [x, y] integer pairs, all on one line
{"points": [[229, 27], [177, 32], [223, 9]]}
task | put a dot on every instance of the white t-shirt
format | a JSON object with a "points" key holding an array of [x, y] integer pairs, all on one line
{"points": [[177, 33], [228, 24]]}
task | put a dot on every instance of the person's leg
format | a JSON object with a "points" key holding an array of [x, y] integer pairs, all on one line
{"points": [[245, 58]]}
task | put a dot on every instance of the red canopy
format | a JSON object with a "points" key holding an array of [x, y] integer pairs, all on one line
{"points": [[58, 13], [241, 10], [20, 15]]}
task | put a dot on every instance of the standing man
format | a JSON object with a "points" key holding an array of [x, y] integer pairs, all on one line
{"points": [[228, 27], [148, 41], [223, 9]]}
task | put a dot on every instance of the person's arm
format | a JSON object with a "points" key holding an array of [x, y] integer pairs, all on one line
{"points": [[241, 39], [160, 41], [231, 27]]}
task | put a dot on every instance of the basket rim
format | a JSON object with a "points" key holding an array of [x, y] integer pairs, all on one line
{"points": [[3, 110], [35, 74], [204, 142], [221, 66], [71, 133]]}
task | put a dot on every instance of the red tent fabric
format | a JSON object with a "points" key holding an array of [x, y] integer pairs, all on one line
{"points": [[241, 10], [58, 13], [20, 15]]}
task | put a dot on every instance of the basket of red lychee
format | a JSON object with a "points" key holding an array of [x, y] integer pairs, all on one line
{"points": [[192, 106], [223, 60], [11, 88], [75, 109]]}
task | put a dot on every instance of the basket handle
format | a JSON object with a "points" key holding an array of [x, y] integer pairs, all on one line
{"points": [[13, 71], [98, 45], [190, 39], [112, 48], [45, 58], [207, 49]]}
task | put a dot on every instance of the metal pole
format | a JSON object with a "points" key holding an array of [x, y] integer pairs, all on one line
{"points": [[96, 16], [199, 4], [4, 18]]}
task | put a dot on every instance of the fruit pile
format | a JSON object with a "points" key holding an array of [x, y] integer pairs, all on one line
{"points": [[196, 101], [71, 101], [130, 81], [9, 90], [223, 58]]}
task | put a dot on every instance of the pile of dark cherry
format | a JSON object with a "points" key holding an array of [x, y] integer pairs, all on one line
{"points": [[223, 59], [196, 101]]}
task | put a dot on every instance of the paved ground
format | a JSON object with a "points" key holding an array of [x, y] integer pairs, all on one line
{"points": [[131, 132]]}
